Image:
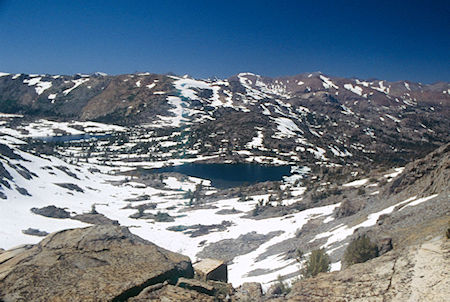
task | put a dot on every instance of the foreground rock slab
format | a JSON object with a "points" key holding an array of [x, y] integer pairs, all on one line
{"points": [[99, 263]]}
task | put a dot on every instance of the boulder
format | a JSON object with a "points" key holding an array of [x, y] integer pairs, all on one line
{"points": [[51, 211], [35, 232], [98, 263], [249, 291], [211, 269]]}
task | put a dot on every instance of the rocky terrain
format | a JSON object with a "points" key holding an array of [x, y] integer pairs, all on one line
{"points": [[301, 119], [416, 273], [366, 157]]}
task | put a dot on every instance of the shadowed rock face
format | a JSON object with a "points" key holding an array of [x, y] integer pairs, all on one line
{"points": [[99, 263]]}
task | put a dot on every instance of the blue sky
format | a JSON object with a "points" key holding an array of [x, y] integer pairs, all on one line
{"points": [[392, 40]]}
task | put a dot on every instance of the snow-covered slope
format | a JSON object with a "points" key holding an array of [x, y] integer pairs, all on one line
{"points": [[78, 141], [32, 179]]}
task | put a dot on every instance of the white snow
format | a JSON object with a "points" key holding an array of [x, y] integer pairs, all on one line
{"points": [[381, 87], [370, 132], [265, 110], [336, 266], [52, 96], [77, 83], [257, 141], [355, 89], [364, 83], [10, 115], [245, 263], [177, 111], [356, 183], [419, 201], [327, 83], [342, 231], [138, 83], [32, 81], [187, 86], [46, 128], [336, 151], [394, 174], [286, 128], [319, 153], [346, 110], [40, 86], [393, 118]]}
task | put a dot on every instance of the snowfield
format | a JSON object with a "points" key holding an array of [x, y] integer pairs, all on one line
{"points": [[112, 194]]}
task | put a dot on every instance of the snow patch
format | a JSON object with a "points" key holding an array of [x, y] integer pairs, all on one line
{"points": [[257, 141], [77, 83], [286, 127], [40, 86], [327, 83], [356, 183], [356, 89]]}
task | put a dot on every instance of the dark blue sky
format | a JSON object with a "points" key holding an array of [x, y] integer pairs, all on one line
{"points": [[392, 40]]}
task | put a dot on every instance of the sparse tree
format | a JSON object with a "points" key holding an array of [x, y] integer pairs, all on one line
{"points": [[360, 250], [317, 262], [93, 210], [299, 255], [281, 287]]}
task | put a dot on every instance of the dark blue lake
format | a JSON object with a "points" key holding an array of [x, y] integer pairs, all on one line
{"points": [[230, 175]]}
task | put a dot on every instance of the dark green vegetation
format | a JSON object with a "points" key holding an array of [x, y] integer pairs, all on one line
{"points": [[317, 262], [360, 250]]}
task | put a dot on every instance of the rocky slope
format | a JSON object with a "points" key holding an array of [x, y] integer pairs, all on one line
{"points": [[425, 176], [416, 273], [416, 268], [108, 263]]}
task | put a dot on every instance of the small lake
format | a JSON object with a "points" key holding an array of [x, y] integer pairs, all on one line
{"points": [[230, 175]]}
